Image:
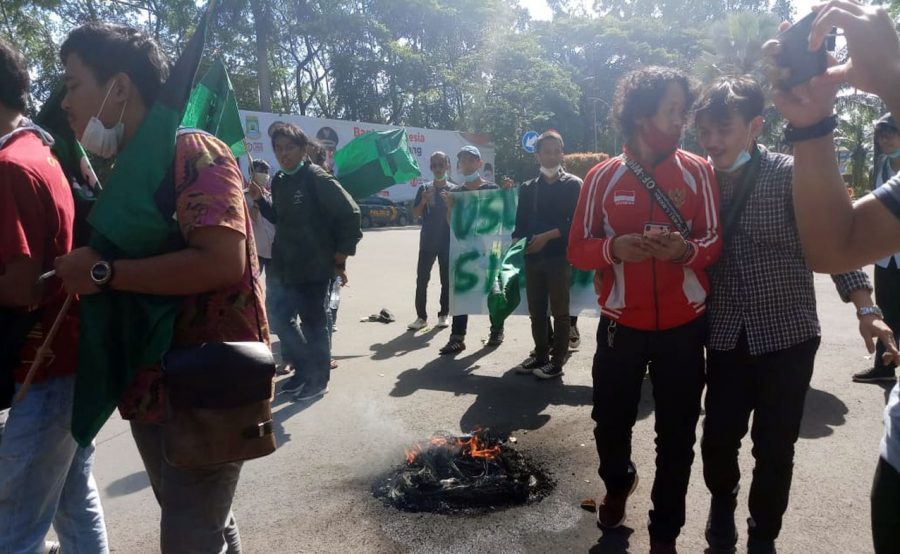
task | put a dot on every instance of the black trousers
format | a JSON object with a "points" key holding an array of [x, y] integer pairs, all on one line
{"points": [[887, 296], [886, 509], [461, 324], [675, 360], [423, 275], [547, 286], [773, 387]]}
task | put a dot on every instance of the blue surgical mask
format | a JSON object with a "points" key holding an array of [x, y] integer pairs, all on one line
{"points": [[292, 171], [471, 177], [893, 155], [742, 158], [739, 162]]}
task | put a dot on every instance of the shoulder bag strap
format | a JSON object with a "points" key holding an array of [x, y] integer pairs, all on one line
{"points": [[661, 198], [742, 192]]}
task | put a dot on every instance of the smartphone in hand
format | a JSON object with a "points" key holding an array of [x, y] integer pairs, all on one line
{"points": [[796, 55], [656, 230]]}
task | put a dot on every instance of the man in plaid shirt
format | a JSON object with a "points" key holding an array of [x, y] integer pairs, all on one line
{"points": [[764, 331]]}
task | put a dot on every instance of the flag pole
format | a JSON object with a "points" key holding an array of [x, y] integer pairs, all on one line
{"points": [[43, 350]]}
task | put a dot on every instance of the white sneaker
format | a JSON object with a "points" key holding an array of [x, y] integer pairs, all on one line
{"points": [[419, 323], [443, 322]]}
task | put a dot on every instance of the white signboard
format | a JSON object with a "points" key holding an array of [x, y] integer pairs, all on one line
{"points": [[334, 134], [481, 226]]}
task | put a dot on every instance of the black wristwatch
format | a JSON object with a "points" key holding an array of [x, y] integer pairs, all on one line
{"points": [[102, 273], [817, 130]]}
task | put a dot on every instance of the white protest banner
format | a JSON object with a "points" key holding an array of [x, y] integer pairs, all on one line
{"points": [[334, 134], [481, 226]]}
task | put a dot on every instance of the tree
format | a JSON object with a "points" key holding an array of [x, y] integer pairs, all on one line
{"points": [[524, 93], [733, 46], [857, 113], [262, 27]]}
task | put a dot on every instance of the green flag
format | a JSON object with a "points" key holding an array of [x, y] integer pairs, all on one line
{"points": [[506, 292], [375, 161], [213, 108], [133, 218]]}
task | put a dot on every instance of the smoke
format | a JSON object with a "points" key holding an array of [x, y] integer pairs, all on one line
{"points": [[389, 437]]}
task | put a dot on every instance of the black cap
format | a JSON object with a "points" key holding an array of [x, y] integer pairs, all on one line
{"points": [[887, 122]]}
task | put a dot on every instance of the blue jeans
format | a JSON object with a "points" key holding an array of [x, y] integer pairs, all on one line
{"points": [[305, 344], [45, 478]]}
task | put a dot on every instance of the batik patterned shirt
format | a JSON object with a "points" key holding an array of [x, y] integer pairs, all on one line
{"points": [[209, 193]]}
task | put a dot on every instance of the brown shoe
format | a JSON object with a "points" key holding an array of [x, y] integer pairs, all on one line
{"points": [[611, 512], [662, 547]]}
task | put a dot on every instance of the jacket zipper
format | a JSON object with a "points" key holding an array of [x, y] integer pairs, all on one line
{"points": [[653, 269]]}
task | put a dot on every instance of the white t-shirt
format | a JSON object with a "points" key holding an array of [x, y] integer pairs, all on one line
{"points": [[263, 230]]}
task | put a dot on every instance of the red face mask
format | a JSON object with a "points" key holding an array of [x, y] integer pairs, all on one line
{"points": [[658, 141]]}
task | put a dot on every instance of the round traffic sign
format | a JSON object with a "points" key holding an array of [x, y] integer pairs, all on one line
{"points": [[528, 141]]}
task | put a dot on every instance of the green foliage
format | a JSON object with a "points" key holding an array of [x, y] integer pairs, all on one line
{"points": [[733, 46], [855, 134], [471, 65]]}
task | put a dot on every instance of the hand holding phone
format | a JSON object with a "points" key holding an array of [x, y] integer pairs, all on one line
{"points": [[795, 56], [656, 231]]}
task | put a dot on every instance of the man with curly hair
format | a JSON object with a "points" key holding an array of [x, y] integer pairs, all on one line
{"points": [[647, 221]]}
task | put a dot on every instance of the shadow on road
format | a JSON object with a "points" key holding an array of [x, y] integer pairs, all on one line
{"points": [[613, 541], [289, 408], [403, 344], [129, 484], [509, 402], [822, 412], [888, 387]]}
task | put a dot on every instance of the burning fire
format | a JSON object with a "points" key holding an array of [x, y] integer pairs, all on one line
{"points": [[465, 446], [471, 473]]}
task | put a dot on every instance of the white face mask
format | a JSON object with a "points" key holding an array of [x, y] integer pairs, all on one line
{"points": [[550, 171], [99, 140]]}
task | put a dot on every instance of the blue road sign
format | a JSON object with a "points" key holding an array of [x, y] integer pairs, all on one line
{"points": [[528, 140]]}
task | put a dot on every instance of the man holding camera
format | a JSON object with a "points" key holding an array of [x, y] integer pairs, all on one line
{"points": [[836, 234]]}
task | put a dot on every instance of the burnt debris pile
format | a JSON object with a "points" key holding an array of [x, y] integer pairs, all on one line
{"points": [[472, 473]]}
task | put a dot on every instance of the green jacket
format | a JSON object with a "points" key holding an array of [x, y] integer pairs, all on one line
{"points": [[314, 218]]}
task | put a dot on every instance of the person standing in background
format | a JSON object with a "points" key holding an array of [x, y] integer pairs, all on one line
{"points": [[263, 229], [434, 241], [887, 270]]}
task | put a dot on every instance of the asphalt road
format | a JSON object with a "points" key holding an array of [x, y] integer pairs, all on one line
{"points": [[392, 389]]}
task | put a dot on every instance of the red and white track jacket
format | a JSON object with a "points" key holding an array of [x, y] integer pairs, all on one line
{"points": [[649, 295]]}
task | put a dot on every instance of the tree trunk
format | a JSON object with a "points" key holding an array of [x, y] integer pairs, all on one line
{"points": [[262, 23]]}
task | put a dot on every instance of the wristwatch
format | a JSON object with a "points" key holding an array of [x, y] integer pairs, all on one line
{"points": [[102, 273], [869, 310], [799, 134]]}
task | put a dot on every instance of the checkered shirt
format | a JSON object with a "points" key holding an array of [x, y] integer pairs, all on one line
{"points": [[761, 284]]}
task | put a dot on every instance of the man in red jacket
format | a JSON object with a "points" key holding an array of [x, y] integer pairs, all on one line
{"points": [[648, 222]]}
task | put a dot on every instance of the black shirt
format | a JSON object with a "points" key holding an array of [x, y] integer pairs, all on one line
{"points": [[546, 206]]}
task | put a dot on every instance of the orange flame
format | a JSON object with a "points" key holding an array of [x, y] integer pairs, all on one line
{"points": [[478, 450], [470, 446]]}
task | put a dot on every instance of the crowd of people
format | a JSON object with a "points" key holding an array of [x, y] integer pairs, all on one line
{"points": [[703, 275]]}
